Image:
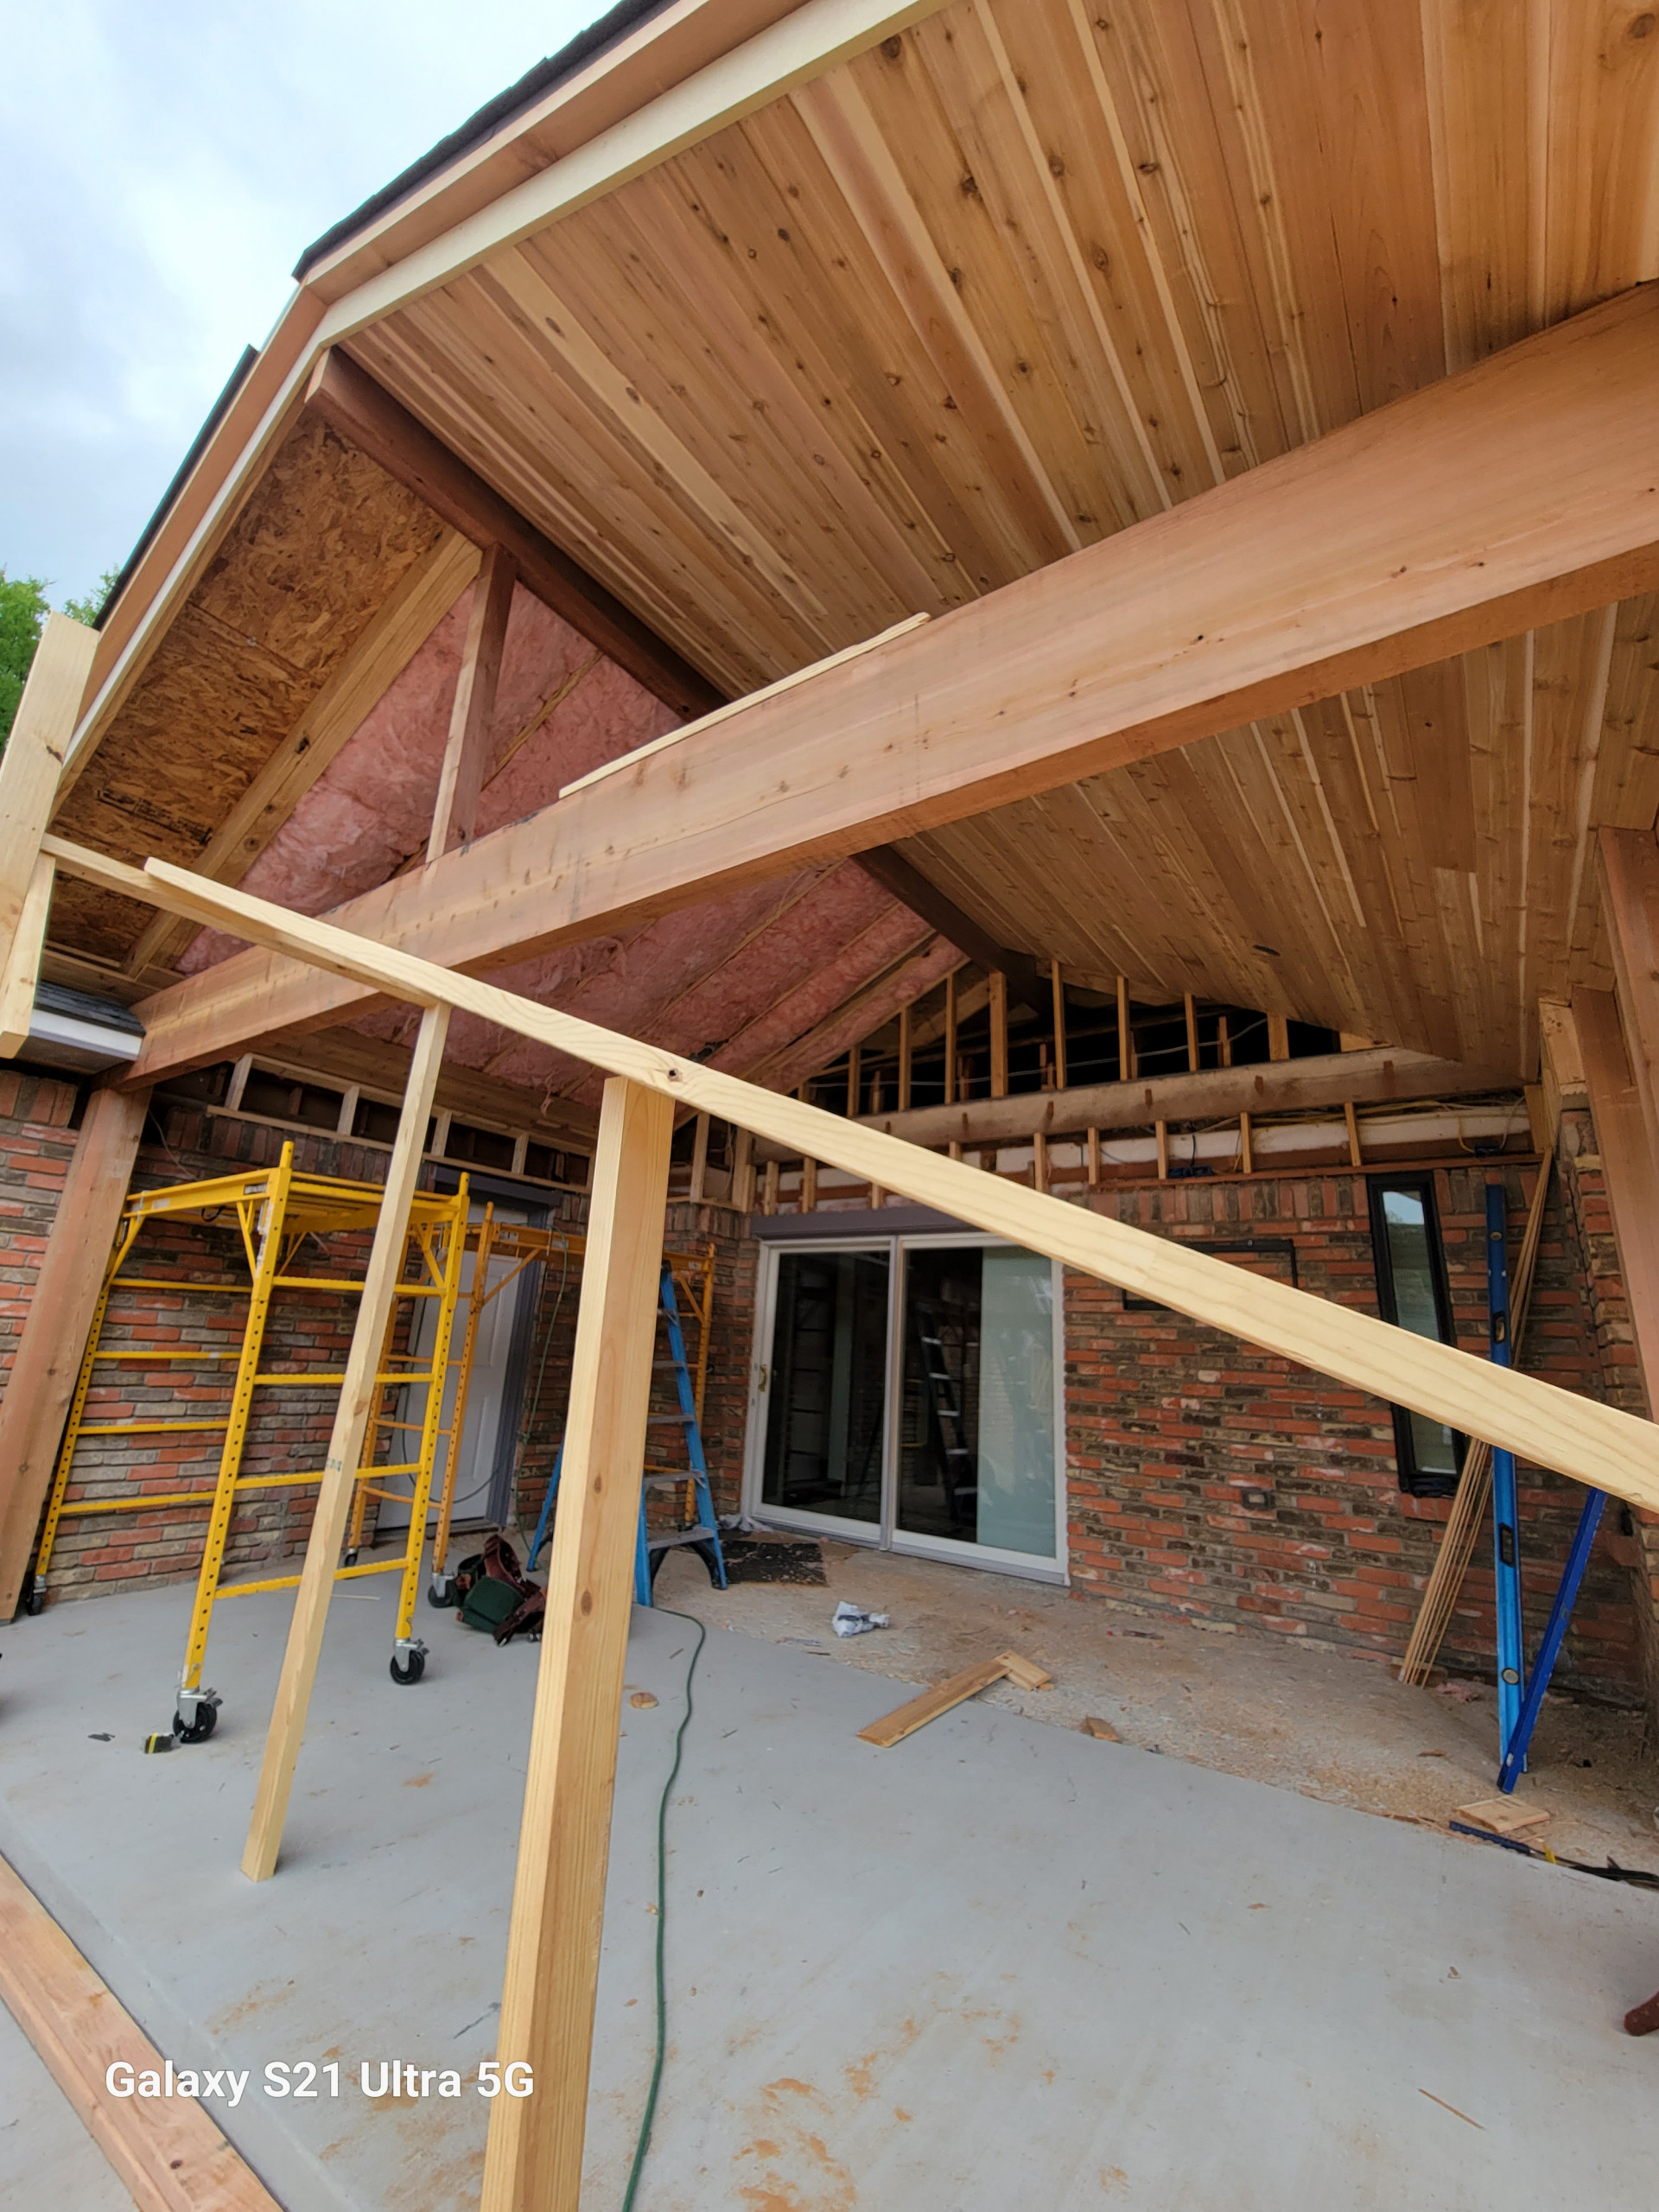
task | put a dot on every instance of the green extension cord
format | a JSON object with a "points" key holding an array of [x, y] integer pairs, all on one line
{"points": [[644, 2142]]}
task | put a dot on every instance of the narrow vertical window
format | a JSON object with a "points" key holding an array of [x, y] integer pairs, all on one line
{"points": [[1411, 1290]]}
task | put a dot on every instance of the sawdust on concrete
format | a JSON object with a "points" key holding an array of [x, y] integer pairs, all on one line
{"points": [[1329, 1723]]}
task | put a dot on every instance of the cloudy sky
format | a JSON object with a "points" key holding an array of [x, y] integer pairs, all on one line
{"points": [[162, 164]]}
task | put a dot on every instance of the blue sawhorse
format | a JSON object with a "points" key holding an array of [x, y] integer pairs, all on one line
{"points": [[703, 1534]]}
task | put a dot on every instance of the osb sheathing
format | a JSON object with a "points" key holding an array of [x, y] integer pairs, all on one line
{"points": [[319, 547]]}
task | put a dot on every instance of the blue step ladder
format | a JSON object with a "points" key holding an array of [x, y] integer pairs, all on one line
{"points": [[1506, 1534], [703, 1534]]}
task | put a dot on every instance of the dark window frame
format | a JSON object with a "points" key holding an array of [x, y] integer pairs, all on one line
{"points": [[1415, 1481]]}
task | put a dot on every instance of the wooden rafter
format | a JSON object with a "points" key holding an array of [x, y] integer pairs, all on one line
{"points": [[1515, 493]]}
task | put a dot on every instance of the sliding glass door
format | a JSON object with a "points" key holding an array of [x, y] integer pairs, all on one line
{"points": [[905, 1393]]}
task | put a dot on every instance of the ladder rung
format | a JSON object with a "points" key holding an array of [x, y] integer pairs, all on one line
{"points": [[697, 1536], [671, 1417], [143, 1428]]}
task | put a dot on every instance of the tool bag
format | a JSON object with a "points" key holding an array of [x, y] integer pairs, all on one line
{"points": [[496, 1595]]}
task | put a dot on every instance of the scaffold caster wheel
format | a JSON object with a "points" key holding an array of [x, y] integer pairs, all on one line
{"points": [[199, 1730], [411, 1667], [35, 1603], [443, 1594], [350, 1558]]}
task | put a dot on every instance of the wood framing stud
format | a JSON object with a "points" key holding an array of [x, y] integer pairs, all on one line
{"points": [[533, 2161], [21, 970], [460, 779], [32, 762], [357, 1395], [49, 1355]]}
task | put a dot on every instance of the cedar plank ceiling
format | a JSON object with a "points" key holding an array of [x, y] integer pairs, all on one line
{"points": [[1020, 277]]}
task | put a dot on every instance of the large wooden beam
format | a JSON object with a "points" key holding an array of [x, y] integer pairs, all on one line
{"points": [[359, 1393], [32, 762], [1275, 1087], [1629, 1169], [42, 1377], [1521, 492], [1629, 861], [166, 2152], [359, 410], [533, 2162], [391, 640], [1594, 1443], [472, 715]]}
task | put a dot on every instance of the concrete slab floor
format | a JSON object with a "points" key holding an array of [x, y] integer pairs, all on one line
{"points": [[1002, 1967], [1334, 1724]]}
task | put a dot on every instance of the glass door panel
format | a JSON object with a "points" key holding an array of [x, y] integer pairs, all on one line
{"points": [[827, 1403], [976, 1442]]}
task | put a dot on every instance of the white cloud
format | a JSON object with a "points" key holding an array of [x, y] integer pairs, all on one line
{"points": [[162, 167]]}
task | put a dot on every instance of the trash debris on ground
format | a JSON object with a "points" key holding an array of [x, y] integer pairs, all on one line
{"points": [[893, 1727], [853, 1620], [643, 1698], [1094, 1726], [778, 1559]]}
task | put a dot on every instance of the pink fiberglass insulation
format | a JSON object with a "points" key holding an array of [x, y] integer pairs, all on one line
{"points": [[738, 979], [561, 709]]}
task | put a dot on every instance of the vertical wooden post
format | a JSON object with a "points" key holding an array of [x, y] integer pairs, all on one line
{"points": [[998, 986], [465, 757], [1246, 1160], [1191, 1012], [700, 1155], [855, 1064], [950, 1038], [769, 1187], [20, 967], [904, 1058], [809, 1200], [1040, 1162], [533, 2162], [1278, 1037], [359, 1394], [1223, 1040], [1161, 1129], [1058, 988], [1356, 1157], [1125, 1034], [1094, 1159], [33, 760], [42, 1378], [743, 1171]]}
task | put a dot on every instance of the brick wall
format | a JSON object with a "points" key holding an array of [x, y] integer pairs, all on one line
{"points": [[1168, 1422]]}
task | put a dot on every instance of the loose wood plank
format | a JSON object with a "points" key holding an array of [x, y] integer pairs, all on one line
{"points": [[895, 1726], [167, 2153]]}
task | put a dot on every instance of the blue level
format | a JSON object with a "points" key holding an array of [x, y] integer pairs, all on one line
{"points": [[1506, 1539], [703, 1535]]}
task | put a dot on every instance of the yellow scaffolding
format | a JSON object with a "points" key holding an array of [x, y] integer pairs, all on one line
{"points": [[276, 1211], [490, 1240]]}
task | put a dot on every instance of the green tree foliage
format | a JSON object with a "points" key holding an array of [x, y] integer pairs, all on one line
{"points": [[88, 610], [23, 610]]}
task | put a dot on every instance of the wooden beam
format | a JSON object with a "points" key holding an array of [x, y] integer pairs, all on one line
{"points": [[999, 1011], [472, 716], [1519, 492], [904, 1058], [1217, 1094], [949, 1037], [1556, 1429], [1125, 1034], [20, 970], [1190, 1012], [1058, 990], [165, 2150], [1629, 1169], [359, 410], [32, 762], [359, 1394], [533, 2162], [893, 1727], [899, 875], [386, 647], [1629, 861], [48, 1359], [1355, 1153], [1278, 1037]]}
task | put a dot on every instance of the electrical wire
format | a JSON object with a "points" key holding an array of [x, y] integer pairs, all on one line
{"points": [[643, 2144]]}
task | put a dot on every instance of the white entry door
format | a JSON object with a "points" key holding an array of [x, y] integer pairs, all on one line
{"points": [[474, 1463]]}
